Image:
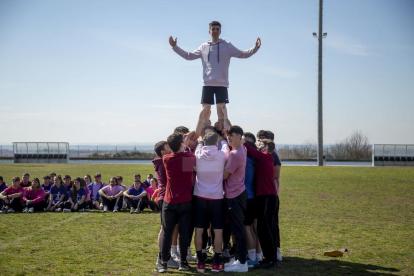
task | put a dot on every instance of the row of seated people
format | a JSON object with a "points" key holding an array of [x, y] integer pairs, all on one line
{"points": [[77, 195]]}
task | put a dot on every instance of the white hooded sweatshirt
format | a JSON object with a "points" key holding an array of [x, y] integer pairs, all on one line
{"points": [[215, 58], [210, 164]]}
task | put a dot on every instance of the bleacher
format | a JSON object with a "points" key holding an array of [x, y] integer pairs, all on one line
{"points": [[41, 152]]}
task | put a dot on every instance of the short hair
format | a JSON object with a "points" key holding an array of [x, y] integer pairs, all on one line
{"points": [[120, 178], [253, 145], [174, 141], [114, 177], [26, 174], [46, 177], [235, 129], [250, 135], [181, 129], [1, 178], [270, 145], [67, 177], [209, 127], [270, 135], [214, 23], [262, 133], [97, 175], [159, 147], [210, 139], [138, 175], [151, 175], [53, 173], [16, 178]]}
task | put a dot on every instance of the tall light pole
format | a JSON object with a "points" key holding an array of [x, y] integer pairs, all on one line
{"points": [[320, 36]]}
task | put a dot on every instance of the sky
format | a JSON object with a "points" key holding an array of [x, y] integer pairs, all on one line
{"points": [[103, 72]]}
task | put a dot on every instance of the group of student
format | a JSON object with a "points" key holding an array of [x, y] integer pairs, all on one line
{"points": [[64, 195], [218, 184]]}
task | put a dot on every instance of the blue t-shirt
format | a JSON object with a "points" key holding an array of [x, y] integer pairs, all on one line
{"points": [[249, 177], [3, 187], [47, 189], [81, 192], [276, 158], [134, 192], [58, 192]]}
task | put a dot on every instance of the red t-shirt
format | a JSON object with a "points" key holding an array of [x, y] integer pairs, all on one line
{"points": [[11, 191], [264, 171], [179, 171]]}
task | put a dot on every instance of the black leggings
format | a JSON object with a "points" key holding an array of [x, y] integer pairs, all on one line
{"points": [[235, 210], [38, 207], [111, 203], [68, 205], [15, 203], [266, 229]]}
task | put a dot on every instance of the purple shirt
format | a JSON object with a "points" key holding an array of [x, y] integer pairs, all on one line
{"points": [[236, 166]]}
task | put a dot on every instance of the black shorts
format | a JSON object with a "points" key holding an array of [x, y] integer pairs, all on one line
{"points": [[249, 215], [222, 95], [207, 211], [160, 203]]}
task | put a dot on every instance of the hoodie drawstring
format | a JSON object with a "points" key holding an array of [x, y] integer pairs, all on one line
{"points": [[218, 55]]}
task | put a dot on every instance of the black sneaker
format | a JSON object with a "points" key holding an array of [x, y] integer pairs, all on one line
{"points": [[162, 268], [184, 266], [266, 265]]}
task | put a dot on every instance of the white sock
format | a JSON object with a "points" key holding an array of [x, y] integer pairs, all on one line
{"points": [[252, 254], [259, 256], [174, 249]]}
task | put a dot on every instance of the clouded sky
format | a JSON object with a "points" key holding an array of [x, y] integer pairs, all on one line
{"points": [[103, 71]]}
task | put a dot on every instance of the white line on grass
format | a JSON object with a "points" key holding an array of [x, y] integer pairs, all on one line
{"points": [[19, 240]]}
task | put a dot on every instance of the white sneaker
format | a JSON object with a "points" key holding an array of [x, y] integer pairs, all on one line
{"points": [[191, 258], [132, 210], [279, 255], [237, 267], [105, 209], [58, 210], [67, 210], [11, 210], [115, 209], [176, 257], [259, 256], [231, 262], [101, 205], [81, 210], [25, 210], [31, 210]]}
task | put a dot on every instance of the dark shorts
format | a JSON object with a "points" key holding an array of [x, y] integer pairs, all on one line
{"points": [[160, 203], [207, 211], [249, 215], [222, 95]]}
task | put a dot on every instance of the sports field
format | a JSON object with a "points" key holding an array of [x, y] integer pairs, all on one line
{"points": [[369, 211]]}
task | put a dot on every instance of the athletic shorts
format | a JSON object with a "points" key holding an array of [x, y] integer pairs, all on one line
{"points": [[249, 215], [160, 203], [222, 95], [207, 211]]}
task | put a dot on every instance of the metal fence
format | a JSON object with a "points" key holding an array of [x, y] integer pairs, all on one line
{"points": [[88, 151]]}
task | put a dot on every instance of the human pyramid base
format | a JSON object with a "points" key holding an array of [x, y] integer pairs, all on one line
{"points": [[216, 182]]}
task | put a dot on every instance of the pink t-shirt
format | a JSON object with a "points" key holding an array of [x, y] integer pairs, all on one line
{"points": [[11, 191], [150, 191], [236, 165], [112, 191]]}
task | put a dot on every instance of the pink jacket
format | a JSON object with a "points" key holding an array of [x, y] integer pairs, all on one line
{"points": [[35, 195]]}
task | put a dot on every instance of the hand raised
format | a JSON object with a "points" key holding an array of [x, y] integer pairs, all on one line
{"points": [[173, 42], [258, 42]]}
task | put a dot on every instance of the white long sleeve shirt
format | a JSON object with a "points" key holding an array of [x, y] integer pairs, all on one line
{"points": [[215, 58]]}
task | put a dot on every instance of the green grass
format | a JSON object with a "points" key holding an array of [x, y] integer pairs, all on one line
{"points": [[369, 211]]}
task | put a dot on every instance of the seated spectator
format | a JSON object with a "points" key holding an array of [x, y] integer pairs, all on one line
{"points": [[88, 193], [3, 187], [25, 181], [34, 197], [148, 201], [147, 182], [57, 196], [12, 197], [112, 196], [68, 182], [137, 176], [94, 188], [52, 177], [134, 197], [88, 179], [119, 180], [76, 198], [151, 189], [47, 185]]}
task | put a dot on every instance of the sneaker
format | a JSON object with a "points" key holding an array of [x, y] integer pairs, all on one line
{"points": [[217, 267], [67, 210], [137, 211], [58, 210], [237, 267], [226, 253], [191, 258], [176, 257], [11, 210], [158, 266], [266, 265], [132, 210], [26, 210], [172, 264], [251, 263], [279, 255], [259, 256], [81, 210], [31, 210], [105, 209], [115, 209], [163, 268], [211, 250], [201, 267], [231, 262], [184, 266]]}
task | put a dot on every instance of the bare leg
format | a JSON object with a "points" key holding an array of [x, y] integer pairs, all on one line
{"points": [[207, 118], [159, 241], [220, 114], [251, 237], [218, 240], [175, 236], [198, 238], [258, 246]]}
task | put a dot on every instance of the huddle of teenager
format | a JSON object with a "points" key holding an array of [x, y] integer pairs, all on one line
{"points": [[64, 195]]}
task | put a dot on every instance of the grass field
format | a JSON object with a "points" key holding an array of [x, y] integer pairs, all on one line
{"points": [[369, 211]]}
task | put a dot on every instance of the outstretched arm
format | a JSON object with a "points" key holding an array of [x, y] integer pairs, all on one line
{"points": [[234, 52], [186, 55]]}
